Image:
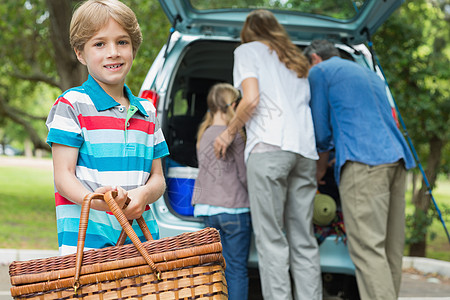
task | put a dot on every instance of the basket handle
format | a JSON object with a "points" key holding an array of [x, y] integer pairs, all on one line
{"points": [[120, 216], [141, 222]]}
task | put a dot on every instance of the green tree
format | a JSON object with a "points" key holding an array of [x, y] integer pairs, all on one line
{"points": [[414, 47], [38, 60], [20, 37]]}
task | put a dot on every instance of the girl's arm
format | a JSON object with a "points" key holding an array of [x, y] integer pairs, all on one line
{"points": [[67, 184], [148, 193]]}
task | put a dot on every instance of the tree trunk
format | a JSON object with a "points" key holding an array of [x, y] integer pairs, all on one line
{"points": [[422, 199], [71, 72], [415, 177], [28, 148], [23, 120]]}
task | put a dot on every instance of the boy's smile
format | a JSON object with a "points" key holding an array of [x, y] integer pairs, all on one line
{"points": [[114, 66], [108, 56]]}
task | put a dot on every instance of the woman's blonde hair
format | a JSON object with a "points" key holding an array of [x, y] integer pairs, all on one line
{"points": [[221, 96], [261, 25], [92, 15]]}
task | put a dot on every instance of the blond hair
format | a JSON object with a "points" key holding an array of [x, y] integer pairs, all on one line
{"points": [[220, 98], [261, 25], [92, 15]]}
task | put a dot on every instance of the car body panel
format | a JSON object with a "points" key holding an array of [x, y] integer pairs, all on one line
{"points": [[300, 25], [333, 253], [334, 257], [198, 38]]}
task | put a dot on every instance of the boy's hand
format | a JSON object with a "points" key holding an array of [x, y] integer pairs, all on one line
{"points": [[137, 204], [120, 199]]}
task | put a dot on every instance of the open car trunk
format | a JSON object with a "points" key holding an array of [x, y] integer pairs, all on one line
{"points": [[203, 64]]}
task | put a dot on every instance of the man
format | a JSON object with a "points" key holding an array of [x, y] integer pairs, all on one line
{"points": [[351, 114]]}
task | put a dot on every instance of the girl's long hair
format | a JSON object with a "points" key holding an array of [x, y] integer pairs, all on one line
{"points": [[220, 98], [261, 25]]}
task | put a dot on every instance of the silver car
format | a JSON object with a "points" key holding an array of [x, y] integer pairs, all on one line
{"points": [[199, 53]]}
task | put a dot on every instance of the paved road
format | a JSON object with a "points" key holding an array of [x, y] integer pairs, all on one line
{"points": [[413, 287]]}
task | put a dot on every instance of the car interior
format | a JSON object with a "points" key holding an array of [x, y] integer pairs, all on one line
{"points": [[204, 63]]}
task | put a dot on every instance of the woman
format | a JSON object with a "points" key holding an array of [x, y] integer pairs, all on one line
{"points": [[280, 155]]}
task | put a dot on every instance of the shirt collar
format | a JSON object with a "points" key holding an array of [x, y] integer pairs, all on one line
{"points": [[103, 101]]}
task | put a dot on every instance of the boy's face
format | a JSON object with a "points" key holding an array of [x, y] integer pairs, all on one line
{"points": [[108, 55]]}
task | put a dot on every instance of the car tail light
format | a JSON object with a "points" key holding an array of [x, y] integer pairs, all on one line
{"points": [[394, 114], [151, 96]]}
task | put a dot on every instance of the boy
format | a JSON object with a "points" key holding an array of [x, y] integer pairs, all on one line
{"points": [[102, 137]]}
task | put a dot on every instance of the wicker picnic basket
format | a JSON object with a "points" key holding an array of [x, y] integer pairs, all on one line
{"points": [[187, 266]]}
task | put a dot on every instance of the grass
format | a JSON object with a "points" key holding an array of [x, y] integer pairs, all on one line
{"points": [[438, 245], [27, 209], [28, 221]]}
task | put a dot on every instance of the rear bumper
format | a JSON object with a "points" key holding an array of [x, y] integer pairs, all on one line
{"points": [[334, 257]]}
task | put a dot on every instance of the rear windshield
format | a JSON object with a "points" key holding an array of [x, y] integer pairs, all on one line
{"points": [[338, 9]]}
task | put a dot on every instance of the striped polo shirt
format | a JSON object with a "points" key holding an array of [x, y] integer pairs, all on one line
{"points": [[116, 148]]}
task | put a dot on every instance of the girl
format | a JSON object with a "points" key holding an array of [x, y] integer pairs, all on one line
{"points": [[220, 192]]}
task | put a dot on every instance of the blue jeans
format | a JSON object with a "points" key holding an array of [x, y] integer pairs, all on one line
{"points": [[235, 234]]}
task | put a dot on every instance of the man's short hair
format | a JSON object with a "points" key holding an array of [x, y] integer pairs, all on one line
{"points": [[323, 48], [92, 15]]}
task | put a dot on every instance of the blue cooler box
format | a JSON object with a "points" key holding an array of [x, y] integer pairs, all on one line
{"points": [[180, 186]]}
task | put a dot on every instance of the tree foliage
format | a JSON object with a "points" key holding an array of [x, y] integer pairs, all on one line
{"points": [[414, 45], [38, 63]]}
